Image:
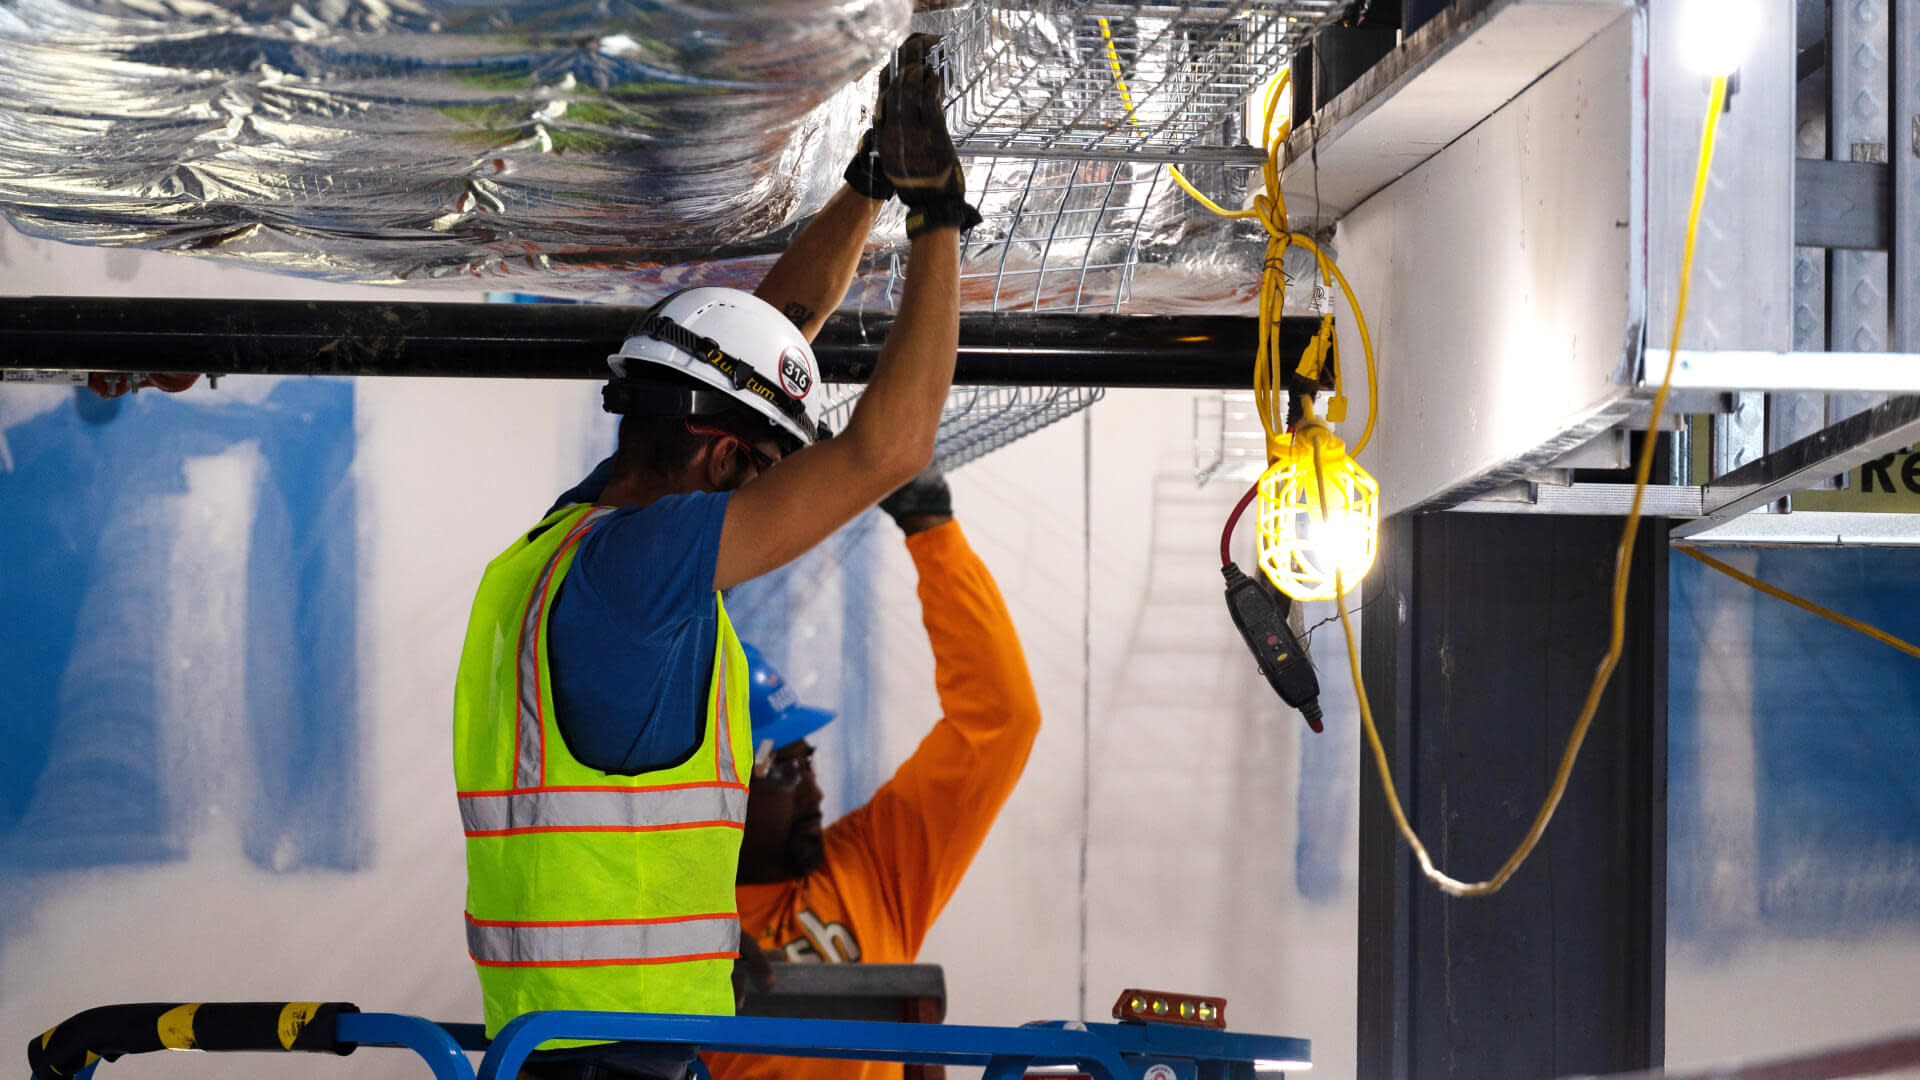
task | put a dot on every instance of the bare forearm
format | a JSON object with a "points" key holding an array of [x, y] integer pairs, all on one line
{"points": [[812, 275], [902, 403], [889, 439]]}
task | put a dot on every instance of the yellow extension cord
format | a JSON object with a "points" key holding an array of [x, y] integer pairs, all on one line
{"points": [[1269, 390], [1623, 560], [1270, 208], [1800, 602]]}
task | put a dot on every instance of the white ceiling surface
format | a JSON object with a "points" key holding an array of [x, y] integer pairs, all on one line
{"points": [[1503, 280]]}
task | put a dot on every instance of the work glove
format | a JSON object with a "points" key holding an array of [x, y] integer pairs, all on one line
{"points": [[863, 172], [921, 503], [916, 153]]}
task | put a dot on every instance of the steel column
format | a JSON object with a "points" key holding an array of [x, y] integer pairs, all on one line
{"points": [[1857, 132], [1389, 661], [1481, 640], [1819, 200], [1903, 267], [1742, 284]]}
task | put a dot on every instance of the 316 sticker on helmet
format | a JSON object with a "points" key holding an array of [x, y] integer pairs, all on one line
{"points": [[794, 376]]}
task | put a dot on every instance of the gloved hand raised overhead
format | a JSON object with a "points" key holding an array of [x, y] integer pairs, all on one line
{"points": [[923, 496], [916, 153], [863, 172]]}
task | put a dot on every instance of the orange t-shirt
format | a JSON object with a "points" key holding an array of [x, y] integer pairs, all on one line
{"points": [[892, 864]]}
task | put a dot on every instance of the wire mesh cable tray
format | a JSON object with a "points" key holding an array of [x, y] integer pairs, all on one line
{"points": [[1103, 78], [977, 420], [1067, 112]]}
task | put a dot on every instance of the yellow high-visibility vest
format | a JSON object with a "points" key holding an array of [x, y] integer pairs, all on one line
{"points": [[588, 890]]}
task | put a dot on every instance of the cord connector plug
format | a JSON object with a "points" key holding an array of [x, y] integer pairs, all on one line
{"points": [[1262, 621]]}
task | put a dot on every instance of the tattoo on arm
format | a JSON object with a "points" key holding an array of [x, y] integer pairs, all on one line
{"points": [[798, 313]]}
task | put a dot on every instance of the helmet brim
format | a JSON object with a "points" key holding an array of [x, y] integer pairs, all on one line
{"points": [[795, 724]]}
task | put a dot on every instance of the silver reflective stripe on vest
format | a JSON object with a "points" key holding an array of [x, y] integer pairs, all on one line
{"points": [[724, 736], [530, 766], [632, 942], [638, 809]]}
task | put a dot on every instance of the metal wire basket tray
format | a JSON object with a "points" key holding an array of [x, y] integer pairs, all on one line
{"points": [[1084, 79]]}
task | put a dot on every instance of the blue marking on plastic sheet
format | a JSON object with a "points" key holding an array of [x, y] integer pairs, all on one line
{"points": [[87, 536], [1827, 843]]}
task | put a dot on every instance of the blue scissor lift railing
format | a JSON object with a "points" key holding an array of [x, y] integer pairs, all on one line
{"points": [[1102, 1051]]}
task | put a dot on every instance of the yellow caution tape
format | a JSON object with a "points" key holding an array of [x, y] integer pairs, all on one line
{"points": [[176, 1027], [294, 1017]]}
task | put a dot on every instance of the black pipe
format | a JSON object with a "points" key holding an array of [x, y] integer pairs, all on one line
{"points": [[571, 341]]}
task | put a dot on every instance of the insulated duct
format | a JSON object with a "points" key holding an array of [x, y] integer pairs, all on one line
{"points": [[630, 147], [409, 140]]}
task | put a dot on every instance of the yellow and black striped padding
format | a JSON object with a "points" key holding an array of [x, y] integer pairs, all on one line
{"points": [[112, 1030]]}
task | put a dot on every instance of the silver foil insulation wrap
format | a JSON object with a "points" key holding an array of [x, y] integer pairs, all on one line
{"points": [[421, 140]]}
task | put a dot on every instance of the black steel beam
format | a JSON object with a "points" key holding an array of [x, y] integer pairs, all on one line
{"points": [[571, 341]]}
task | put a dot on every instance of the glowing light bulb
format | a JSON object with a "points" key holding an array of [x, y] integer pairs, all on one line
{"points": [[1307, 551], [1714, 36]]}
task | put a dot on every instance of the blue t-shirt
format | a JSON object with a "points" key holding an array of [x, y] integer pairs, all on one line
{"points": [[630, 637]]}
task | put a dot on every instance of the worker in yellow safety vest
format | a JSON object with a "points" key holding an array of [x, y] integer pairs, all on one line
{"points": [[602, 742]]}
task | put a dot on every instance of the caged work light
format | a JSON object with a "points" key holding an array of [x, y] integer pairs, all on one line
{"points": [[1319, 527]]}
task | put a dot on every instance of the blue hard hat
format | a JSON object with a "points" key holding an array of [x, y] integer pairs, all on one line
{"points": [[778, 716]]}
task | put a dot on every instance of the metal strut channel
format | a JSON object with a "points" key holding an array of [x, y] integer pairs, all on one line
{"points": [[571, 341], [1834, 449]]}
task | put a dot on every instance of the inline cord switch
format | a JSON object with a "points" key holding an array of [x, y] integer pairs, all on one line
{"points": [[1262, 622]]}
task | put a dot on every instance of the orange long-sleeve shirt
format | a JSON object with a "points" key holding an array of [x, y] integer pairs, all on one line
{"points": [[892, 864]]}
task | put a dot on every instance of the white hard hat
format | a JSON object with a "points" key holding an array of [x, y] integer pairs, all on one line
{"points": [[738, 344]]}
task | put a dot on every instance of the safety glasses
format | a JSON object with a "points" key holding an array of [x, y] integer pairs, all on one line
{"points": [[786, 772], [760, 460]]}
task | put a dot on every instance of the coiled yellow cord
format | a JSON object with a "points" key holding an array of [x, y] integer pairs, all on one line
{"points": [[1270, 208]]}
